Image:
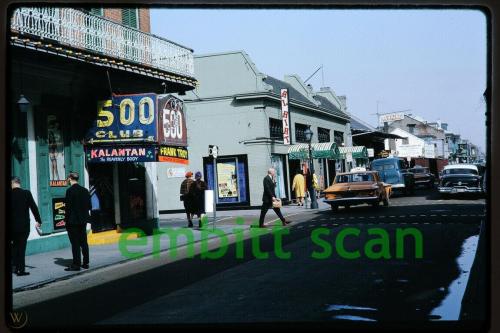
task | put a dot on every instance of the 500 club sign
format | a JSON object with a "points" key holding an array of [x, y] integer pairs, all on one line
{"points": [[146, 118]]}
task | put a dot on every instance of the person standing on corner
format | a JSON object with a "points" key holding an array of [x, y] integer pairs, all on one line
{"points": [[298, 185], [197, 191], [269, 197], [21, 203], [186, 197], [78, 205]]}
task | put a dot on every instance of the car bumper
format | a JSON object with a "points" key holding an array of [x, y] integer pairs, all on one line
{"points": [[354, 200], [396, 186], [453, 190]]}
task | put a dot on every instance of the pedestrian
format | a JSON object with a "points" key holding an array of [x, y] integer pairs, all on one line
{"points": [[316, 184], [197, 192], [21, 203], [186, 197], [95, 213], [298, 185], [269, 197], [78, 205]]}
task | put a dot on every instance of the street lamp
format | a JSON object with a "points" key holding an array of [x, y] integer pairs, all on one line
{"points": [[309, 134], [23, 104]]}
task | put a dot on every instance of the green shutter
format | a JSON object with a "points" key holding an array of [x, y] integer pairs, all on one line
{"points": [[97, 11], [129, 17]]}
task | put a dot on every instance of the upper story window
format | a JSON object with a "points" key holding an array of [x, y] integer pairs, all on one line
{"points": [[97, 11], [299, 132], [275, 128], [130, 17], [323, 134], [406, 141], [411, 128], [338, 137]]}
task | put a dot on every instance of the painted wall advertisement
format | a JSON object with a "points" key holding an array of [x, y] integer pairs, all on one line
{"points": [[103, 154], [176, 172], [227, 179], [59, 213]]}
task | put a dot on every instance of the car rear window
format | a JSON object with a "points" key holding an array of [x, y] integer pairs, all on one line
{"points": [[460, 172], [354, 178]]}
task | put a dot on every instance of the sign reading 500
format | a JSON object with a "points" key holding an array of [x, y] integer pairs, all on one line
{"points": [[172, 121], [126, 118]]}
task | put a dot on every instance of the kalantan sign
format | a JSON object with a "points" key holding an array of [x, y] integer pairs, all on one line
{"points": [[121, 154]]}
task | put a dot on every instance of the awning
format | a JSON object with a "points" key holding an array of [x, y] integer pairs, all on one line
{"points": [[319, 150], [356, 151]]}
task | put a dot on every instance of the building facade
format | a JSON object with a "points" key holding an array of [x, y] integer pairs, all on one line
{"points": [[238, 109], [63, 62]]}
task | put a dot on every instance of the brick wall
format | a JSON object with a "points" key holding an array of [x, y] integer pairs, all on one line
{"points": [[114, 14], [144, 23]]}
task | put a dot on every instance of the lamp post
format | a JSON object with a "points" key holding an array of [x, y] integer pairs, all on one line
{"points": [[23, 104], [314, 203]]}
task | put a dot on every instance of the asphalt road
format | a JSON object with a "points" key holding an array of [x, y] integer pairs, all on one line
{"points": [[302, 289]]}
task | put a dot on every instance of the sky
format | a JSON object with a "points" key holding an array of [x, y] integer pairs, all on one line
{"points": [[429, 62]]}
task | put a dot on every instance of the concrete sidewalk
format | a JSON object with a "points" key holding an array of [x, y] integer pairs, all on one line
{"points": [[49, 267]]}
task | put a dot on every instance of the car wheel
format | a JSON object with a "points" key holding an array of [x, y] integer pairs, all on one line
{"points": [[386, 201], [445, 196]]}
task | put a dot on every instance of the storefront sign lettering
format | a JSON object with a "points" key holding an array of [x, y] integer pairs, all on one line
{"points": [[121, 154], [172, 123], [126, 118], [285, 116], [173, 154]]}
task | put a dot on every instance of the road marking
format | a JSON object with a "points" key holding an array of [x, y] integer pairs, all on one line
{"points": [[412, 215], [433, 215], [382, 216], [444, 214], [463, 215], [454, 215], [402, 215], [323, 225], [392, 216], [372, 217], [350, 218], [361, 217]]}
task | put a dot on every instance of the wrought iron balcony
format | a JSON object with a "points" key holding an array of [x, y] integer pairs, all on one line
{"points": [[80, 30]]}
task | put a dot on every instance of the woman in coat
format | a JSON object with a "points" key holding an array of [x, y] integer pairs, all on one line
{"points": [[197, 191], [298, 186]]}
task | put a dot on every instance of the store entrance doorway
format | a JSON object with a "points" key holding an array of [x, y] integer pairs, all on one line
{"points": [[102, 197]]}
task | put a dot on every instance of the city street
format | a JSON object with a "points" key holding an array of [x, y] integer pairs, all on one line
{"points": [[299, 289]]}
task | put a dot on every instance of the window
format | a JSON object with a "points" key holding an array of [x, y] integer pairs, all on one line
{"points": [[299, 132], [353, 178], [276, 128], [130, 17], [406, 141], [323, 135], [338, 137], [97, 11], [411, 128]]}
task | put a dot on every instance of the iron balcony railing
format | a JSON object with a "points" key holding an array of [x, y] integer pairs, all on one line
{"points": [[82, 30]]}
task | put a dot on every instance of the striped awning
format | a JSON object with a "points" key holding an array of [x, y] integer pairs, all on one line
{"points": [[319, 150], [356, 151]]}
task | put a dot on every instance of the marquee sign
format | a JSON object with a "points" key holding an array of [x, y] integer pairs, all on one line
{"points": [[173, 154], [391, 117], [172, 122], [126, 119], [108, 154], [285, 116]]}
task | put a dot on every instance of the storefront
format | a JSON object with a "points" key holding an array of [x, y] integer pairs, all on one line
{"points": [[356, 156]]}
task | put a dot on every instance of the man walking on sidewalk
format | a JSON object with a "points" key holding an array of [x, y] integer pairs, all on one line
{"points": [[78, 205], [268, 198], [21, 203]]}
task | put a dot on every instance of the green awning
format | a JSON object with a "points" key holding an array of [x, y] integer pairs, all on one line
{"points": [[356, 151], [327, 150]]}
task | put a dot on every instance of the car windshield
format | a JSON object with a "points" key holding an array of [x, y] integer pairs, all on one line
{"points": [[383, 166], [460, 172], [354, 177], [419, 170]]}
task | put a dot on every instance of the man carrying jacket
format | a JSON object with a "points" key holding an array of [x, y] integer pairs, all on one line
{"points": [[21, 203], [78, 205], [268, 197]]}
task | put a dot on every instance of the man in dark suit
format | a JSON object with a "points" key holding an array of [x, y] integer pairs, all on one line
{"points": [[268, 198], [21, 203], [78, 205]]}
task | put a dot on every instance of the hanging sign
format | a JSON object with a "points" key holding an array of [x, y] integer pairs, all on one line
{"points": [[127, 153], [126, 119], [59, 213], [173, 154], [285, 116], [172, 129]]}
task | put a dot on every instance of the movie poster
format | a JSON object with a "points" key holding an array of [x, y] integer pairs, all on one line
{"points": [[227, 179]]}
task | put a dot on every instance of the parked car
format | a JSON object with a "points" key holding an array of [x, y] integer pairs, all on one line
{"points": [[460, 178], [394, 171], [354, 188], [423, 176]]}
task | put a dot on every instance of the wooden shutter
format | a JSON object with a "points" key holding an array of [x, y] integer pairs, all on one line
{"points": [[129, 17], [97, 11]]}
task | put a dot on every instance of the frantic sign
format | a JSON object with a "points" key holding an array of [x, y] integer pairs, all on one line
{"points": [[172, 123], [121, 154], [126, 119], [173, 154], [285, 116]]}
